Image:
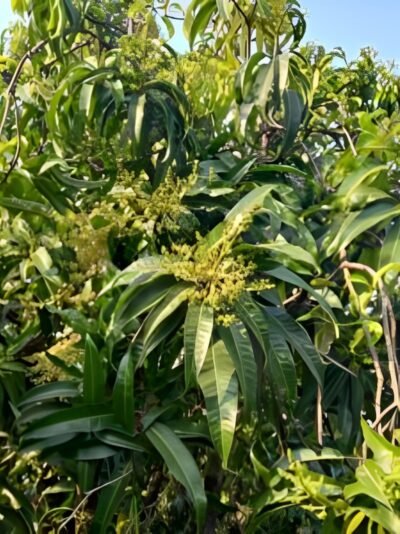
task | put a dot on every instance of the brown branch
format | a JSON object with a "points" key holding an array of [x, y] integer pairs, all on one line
{"points": [[11, 88], [103, 43], [384, 412], [388, 324], [18, 149], [70, 51], [248, 26], [380, 380]]}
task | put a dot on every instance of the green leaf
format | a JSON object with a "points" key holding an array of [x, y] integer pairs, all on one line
{"points": [[123, 395], [384, 452], [176, 296], [138, 298], [61, 389], [201, 20], [197, 333], [356, 223], [294, 109], [181, 465], [26, 205], [109, 501], [390, 251], [219, 385], [273, 168], [281, 322], [238, 345], [85, 418], [280, 364], [285, 252], [353, 180], [370, 481], [121, 439], [281, 273], [93, 374]]}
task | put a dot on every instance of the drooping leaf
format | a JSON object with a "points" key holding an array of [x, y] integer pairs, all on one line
{"points": [[282, 323], [219, 385], [123, 395], [198, 329], [238, 345], [86, 418], [181, 465], [93, 375]]}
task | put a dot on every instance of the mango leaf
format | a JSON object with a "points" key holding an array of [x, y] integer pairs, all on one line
{"points": [[281, 322], [142, 270], [93, 374], [370, 481], [238, 345], [280, 364], [387, 519], [181, 465], [123, 396], [176, 296], [281, 273], [283, 251], [109, 500], [356, 223], [219, 385], [86, 418], [63, 388], [197, 333], [28, 206], [353, 180], [138, 298], [200, 21], [294, 109], [384, 452], [124, 440]]}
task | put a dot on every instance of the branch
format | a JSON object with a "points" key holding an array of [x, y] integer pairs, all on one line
{"points": [[380, 380], [108, 25], [248, 25], [11, 88], [70, 51], [18, 149], [104, 44], [388, 323], [88, 494]]}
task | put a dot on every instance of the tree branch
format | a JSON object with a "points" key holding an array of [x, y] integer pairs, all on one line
{"points": [[11, 88], [248, 25]]}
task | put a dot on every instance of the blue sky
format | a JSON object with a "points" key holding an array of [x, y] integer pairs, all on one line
{"points": [[351, 24]]}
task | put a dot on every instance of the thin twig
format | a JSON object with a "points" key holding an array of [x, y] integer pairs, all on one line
{"points": [[317, 172], [70, 51], [293, 298], [375, 358], [14, 160], [388, 324], [16, 75], [379, 377], [349, 139], [88, 494], [248, 26], [383, 414], [319, 417]]}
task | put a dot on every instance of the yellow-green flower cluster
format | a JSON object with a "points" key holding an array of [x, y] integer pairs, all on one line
{"points": [[160, 209], [144, 59], [218, 276], [44, 370]]}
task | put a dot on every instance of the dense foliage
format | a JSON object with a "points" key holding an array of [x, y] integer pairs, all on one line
{"points": [[199, 273]]}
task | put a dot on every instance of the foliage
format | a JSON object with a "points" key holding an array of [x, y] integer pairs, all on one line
{"points": [[199, 273]]}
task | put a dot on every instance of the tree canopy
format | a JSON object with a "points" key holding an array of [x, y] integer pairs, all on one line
{"points": [[199, 268]]}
